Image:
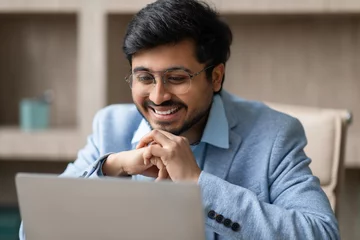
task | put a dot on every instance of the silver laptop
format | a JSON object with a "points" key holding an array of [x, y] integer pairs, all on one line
{"points": [[76, 208]]}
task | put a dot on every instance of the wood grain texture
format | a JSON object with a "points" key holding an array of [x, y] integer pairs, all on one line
{"points": [[91, 96], [49, 145], [337, 6], [262, 7], [271, 6], [301, 60], [118, 90], [37, 6], [38, 52]]}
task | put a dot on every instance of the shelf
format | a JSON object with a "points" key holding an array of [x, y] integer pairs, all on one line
{"points": [[38, 52], [26, 6], [271, 6], [48, 145], [288, 6], [252, 7], [223, 6], [124, 6], [118, 67]]}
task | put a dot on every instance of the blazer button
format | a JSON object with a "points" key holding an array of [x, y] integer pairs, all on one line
{"points": [[219, 218], [211, 214], [235, 227], [227, 222]]}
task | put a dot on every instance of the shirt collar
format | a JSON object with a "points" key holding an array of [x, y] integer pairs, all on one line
{"points": [[216, 131]]}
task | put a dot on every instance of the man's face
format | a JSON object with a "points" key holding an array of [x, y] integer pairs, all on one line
{"points": [[175, 113]]}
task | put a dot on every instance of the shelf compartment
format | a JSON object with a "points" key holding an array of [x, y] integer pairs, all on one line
{"points": [[118, 68], [38, 52], [48, 145]]}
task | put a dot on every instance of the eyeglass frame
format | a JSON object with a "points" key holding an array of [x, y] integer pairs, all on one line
{"points": [[191, 75]]}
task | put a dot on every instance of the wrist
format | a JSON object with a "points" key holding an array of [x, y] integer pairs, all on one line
{"points": [[196, 177], [112, 166]]}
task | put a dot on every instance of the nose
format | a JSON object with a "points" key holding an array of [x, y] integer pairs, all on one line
{"points": [[159, 93]]}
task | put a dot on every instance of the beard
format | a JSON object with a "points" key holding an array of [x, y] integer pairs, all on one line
{"points": [[166, 126]]}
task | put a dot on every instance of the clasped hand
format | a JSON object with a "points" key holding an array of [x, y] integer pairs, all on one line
{"points": [[159, 154]]}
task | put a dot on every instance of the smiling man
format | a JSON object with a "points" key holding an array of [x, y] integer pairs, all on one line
{"points": [[247, 158]]}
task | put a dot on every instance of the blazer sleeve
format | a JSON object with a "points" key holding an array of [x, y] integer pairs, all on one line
{"points": [[297, 207], [89, 161]]}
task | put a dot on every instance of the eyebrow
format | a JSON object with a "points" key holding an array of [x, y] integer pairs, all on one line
{"points": [[173, 68]]}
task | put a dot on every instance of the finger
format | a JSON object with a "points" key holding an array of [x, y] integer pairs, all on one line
{"points": [[175, 138], [169, 135], [163, 174], [138, 146], [151, 172], [147, 156], [158, 163], [156, 151], [156, 135], [141, 145], [150, 159]]}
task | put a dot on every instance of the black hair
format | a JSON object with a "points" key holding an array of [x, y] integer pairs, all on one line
{"points": [[171, 21]]}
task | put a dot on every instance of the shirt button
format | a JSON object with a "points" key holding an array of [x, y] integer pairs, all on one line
{"points": [[212, 214], [219, 218], [235, 227], [227, 222]]}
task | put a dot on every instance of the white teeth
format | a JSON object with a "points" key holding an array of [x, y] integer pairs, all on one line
{"points": [[166, 112]]}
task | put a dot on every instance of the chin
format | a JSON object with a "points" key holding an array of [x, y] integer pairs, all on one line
{"points": [[167, 127]]}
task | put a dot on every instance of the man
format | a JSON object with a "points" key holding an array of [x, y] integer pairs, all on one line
{"points": [[247, 159]]}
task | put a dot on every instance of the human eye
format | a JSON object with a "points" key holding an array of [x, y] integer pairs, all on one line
{"points": [[144, 78], [177, 77]]}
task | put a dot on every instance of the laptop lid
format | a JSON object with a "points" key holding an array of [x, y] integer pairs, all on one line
{"points": [[75, 208]]}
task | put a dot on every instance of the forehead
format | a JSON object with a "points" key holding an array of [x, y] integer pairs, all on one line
{"points": [[166, 56]]}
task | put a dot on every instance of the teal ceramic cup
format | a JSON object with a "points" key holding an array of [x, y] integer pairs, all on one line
{"points": [[34, 114]]}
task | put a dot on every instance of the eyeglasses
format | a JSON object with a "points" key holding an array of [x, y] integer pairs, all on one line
{"points": [[176, 81]]}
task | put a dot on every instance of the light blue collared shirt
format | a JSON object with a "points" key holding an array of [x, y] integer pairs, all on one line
{"points": [[216, 131]]}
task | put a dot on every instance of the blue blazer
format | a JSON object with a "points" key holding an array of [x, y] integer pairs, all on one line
{"points": [[262, 182]]}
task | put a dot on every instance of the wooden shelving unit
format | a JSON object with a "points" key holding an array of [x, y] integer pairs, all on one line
{"points": [[74, 48], [49, 145], [289, 51], [37, 52]]}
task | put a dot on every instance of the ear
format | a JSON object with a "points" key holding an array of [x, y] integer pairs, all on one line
{"points": [[217, 77]]}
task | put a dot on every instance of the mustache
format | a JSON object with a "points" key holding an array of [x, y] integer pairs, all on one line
{"points": [[149, 103]]}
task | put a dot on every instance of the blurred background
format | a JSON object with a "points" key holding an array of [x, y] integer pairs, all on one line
{"points": [[61, 61]]}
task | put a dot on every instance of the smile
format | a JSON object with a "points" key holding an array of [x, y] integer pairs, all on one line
{"points": [[168, 112]]}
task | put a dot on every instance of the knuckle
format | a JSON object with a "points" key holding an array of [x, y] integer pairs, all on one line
{"points": [[174, 144], [147, 150], [112, 157], [172, 153], [184, 140], [150, 149]]}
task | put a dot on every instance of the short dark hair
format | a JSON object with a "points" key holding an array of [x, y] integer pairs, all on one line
{"points": [[171, 21]]}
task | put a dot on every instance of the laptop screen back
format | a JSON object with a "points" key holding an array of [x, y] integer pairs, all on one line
{"points": [[75, 208]]}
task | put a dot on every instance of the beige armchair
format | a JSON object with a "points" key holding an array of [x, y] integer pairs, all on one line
{"points": [[326, 133]]}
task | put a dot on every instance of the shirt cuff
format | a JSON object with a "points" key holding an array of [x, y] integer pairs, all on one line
{"points": [[95, 170]]}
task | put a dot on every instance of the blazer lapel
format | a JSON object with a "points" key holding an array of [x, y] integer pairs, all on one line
{"points": [[218, 161]]}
